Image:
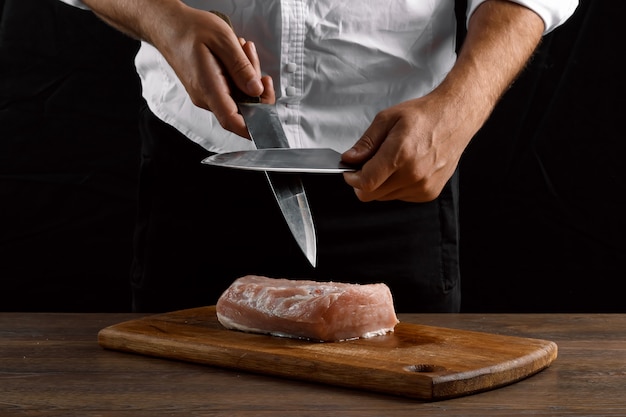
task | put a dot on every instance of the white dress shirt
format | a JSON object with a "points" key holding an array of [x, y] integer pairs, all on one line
{"points": [[335, 63]]}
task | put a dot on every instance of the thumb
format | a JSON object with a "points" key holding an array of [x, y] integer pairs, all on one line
{"points": [[361, 151]]}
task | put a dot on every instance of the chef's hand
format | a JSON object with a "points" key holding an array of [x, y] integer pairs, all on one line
{"points": [[409, 151], [206, 55], [200, 46]]}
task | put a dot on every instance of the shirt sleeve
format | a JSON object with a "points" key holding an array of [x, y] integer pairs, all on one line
{"points": [[553, 12], [76, 3]]}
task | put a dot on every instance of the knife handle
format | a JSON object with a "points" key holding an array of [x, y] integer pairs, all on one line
{"points": [[238, 95]]}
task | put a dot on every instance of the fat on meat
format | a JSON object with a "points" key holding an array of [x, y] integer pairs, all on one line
{"points": [[320, 311]]}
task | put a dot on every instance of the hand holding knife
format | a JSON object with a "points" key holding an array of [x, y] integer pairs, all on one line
{"points": [[266, 132]]}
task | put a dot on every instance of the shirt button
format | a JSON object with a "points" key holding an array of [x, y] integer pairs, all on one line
{"points": [[291, 91], [292, 67]]}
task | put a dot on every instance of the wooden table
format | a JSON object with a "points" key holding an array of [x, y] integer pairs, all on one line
{"points": [[52, 365]]}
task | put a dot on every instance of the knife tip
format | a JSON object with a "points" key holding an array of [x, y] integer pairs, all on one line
{"points": [[311, 255]]}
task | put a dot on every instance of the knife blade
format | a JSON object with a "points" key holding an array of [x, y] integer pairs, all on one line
{"points": [[266, 131], [296, 160]]}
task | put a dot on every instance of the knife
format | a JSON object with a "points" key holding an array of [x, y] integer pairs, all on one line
{"points": [[266, 131], [296, 160]]}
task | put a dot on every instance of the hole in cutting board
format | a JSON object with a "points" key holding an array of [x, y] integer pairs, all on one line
{"points": [[424, 368]]}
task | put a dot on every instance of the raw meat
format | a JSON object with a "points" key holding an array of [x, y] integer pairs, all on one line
{"points": [[323, 311]]}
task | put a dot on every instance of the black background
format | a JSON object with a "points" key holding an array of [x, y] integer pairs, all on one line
{"points": [[542, 184]]}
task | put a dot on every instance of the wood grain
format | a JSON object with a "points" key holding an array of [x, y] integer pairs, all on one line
{"points": [[51, 365], [417, 361]]}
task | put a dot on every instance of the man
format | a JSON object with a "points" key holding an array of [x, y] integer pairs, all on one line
{"points": [[382, 85]]}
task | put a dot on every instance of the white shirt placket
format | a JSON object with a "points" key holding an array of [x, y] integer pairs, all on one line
{"points": [[291, 68]]}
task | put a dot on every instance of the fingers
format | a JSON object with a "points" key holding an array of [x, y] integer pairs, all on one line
{"points": [[231, 62], [400, 185], [370, 153], [269, 95], [399, 162], [237, 60], [369, 182], [362, 150], [213, 92], [249, 48], [209, 59]]}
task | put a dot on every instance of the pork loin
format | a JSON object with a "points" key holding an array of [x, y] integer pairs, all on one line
{"points": [[321, 311]]}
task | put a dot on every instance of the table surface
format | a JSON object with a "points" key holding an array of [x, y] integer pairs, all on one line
{"points": [[51, 365]]}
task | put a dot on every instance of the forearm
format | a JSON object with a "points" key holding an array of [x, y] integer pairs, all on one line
{"points": [[501, 38], [140, 19]]}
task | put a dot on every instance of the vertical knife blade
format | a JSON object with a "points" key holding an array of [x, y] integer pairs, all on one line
{"points": [[266, 131], [293, 203], [263, 125]]}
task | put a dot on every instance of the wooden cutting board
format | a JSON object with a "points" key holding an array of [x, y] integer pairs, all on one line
{"points": [[425, 362]]}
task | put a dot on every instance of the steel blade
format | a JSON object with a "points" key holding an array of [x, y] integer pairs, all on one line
{"points": [[266, 131], [292, 201], [263, 125], [294, 160]]}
